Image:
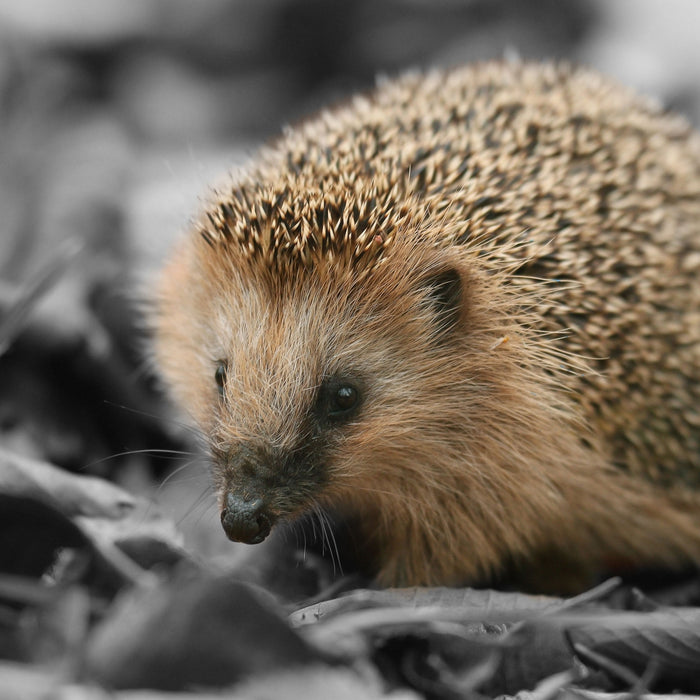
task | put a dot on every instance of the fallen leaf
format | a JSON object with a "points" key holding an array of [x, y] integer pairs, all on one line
{"points": [[668, 638], [69, 493], [482, 602], [192, 632]]}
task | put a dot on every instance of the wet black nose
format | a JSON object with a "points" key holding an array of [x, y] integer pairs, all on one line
{"points": [[245, 520]]}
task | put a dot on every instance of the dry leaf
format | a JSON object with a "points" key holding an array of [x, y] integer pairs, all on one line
{"points": [[69, 493], [668, 639], [192, 632]]}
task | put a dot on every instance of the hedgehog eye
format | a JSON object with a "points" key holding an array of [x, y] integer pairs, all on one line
{"points": [[342, 400], [338, 399], [220, 377]]}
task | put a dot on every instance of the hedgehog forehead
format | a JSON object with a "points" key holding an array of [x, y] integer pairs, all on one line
{"points": [[300, 225], [311, 323]]}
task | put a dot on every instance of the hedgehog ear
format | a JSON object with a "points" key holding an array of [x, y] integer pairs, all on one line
{"points": [[444, 291]]}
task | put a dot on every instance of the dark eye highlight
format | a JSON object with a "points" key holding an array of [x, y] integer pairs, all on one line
{"points": [[339, 399], [220, 377], [343, 399]]}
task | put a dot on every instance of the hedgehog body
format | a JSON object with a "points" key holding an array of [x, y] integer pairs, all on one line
{"points": [[463, 312]]}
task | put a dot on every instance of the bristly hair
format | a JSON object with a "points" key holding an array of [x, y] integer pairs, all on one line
{"points": [[349, 225]]}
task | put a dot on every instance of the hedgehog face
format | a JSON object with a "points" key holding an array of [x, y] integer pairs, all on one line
{"points": [[300, 371], [306, 377]]}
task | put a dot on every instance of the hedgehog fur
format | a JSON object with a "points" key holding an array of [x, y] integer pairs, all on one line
{"points": [[502, 262]]}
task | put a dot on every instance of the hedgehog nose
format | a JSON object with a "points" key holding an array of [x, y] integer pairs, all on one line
{"points": [[245, 520]]}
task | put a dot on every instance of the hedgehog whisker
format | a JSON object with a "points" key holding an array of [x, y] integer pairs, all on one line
{"points": [[153, 452], [196, 504], [178, 470], [160, 418], [328, 537]]}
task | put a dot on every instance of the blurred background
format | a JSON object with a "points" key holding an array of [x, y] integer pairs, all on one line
{"points": [[116, 114]]}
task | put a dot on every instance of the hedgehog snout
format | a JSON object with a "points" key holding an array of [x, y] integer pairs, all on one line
{"points": [[262, 483], [245, 519], [245, 511]]}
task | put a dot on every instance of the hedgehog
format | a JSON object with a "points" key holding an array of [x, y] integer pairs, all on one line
{"points": [[462, 313]]}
